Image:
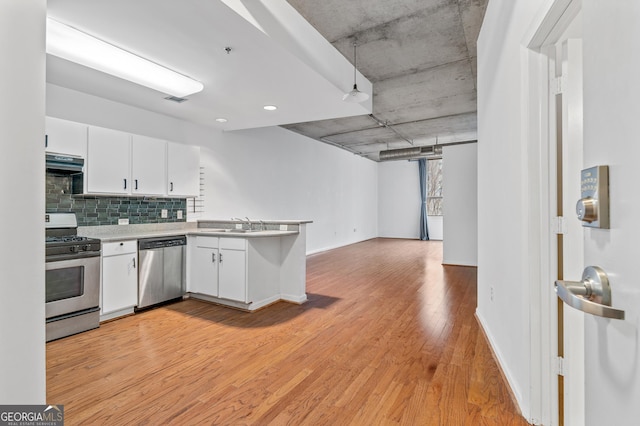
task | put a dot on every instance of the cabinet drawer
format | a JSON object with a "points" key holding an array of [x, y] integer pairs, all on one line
{"points": [[209, 242], [122, 247], [233, 243]]}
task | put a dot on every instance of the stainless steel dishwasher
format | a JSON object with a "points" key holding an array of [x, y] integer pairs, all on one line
{"points": [[161, 275]]}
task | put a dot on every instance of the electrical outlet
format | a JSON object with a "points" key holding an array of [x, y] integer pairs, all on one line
{"points": [[238, 226], [164, 213], [491, 295], [123, 221], [179, 214], [284, 227]]}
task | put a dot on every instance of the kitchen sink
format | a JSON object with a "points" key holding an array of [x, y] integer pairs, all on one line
{"points": [[241, 231]]}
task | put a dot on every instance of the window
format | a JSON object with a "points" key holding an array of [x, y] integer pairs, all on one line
{"points": [[434, 187]]}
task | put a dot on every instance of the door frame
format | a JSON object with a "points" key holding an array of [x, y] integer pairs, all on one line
{"points": [[539, 41]]}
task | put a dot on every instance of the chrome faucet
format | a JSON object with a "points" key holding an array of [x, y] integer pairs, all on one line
{"points": [[247, 221]]}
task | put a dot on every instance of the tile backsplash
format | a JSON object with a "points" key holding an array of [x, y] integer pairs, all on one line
{"points": [[93, 210]]}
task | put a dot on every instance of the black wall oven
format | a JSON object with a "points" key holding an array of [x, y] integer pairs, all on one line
{"points": [[72, 278]]}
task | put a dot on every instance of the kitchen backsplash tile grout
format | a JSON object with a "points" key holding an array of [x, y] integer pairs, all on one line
{"points": [[93, 210]]}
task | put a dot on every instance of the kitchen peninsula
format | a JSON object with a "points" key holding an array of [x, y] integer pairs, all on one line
{"points": [[241, 264]]}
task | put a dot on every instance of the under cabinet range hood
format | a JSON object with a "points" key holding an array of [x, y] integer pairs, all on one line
{"points": [[67, 165], [64, 163]]}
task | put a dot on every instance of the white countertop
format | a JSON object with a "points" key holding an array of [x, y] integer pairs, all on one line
{"points": [[134, 232]]}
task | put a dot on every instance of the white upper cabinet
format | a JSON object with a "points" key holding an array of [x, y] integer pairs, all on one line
{"points": [[108, 168], [183, 170], [66, 137], [122, 164], [148, 157]]}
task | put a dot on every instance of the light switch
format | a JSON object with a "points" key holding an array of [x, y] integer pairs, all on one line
{"points": [[164, 213]]}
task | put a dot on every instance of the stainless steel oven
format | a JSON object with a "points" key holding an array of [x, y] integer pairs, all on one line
{"points": [[72, 283]]}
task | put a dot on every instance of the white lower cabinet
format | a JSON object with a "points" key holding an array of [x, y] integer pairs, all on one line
{"points": [[232, 274], [203, 273], [119, 276], [244, 273], [218, 267]]}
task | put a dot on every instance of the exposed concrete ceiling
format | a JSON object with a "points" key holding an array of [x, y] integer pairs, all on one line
{"points": [[420, 56]]}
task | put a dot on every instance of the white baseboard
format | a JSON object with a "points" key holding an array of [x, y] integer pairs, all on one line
{"points": [[523, 406]]}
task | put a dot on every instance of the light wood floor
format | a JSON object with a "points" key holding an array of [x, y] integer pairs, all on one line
{"points": [[388, 337]]}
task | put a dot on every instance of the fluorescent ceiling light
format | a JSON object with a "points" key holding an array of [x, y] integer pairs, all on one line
{"points": [[75, 46]]}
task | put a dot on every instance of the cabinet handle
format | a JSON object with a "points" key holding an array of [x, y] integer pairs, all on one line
{"points": [[46, 141], [170, 186], [220, 257], [136, 182], [134, 262], [125, 183], [213, 257]]}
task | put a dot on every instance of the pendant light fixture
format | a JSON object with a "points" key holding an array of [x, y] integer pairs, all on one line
{"points": [[355, 95]]}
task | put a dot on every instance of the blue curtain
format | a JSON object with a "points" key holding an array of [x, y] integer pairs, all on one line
{"points": [[424, 229]]}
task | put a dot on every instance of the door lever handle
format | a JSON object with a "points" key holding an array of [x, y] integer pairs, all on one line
{"points": [[591, 295]]}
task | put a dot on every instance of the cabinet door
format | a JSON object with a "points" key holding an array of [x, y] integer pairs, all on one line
{"points": [[66, 137], [232, 283], [149, 165], [204, 271], [183, 170], [108, 161], [119, 282]]}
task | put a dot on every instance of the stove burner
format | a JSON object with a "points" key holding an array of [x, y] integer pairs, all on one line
{"points": [[62, 241]]}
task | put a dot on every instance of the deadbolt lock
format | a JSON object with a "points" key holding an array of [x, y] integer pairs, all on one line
{"points": [[587, 209], [593, 208]]}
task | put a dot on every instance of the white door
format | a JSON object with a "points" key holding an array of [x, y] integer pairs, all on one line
{"points": [[611, 350], [611, 116]]}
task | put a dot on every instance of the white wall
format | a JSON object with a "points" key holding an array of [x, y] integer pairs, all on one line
{"points": [[22, 317], [505, 247], [460, 204], [399, 199], [273, 173], [399, 202], [267, 173]]}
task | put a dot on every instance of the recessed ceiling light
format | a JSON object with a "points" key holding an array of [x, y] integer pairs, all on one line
{"points": [[221, 120], [270, 107]]}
